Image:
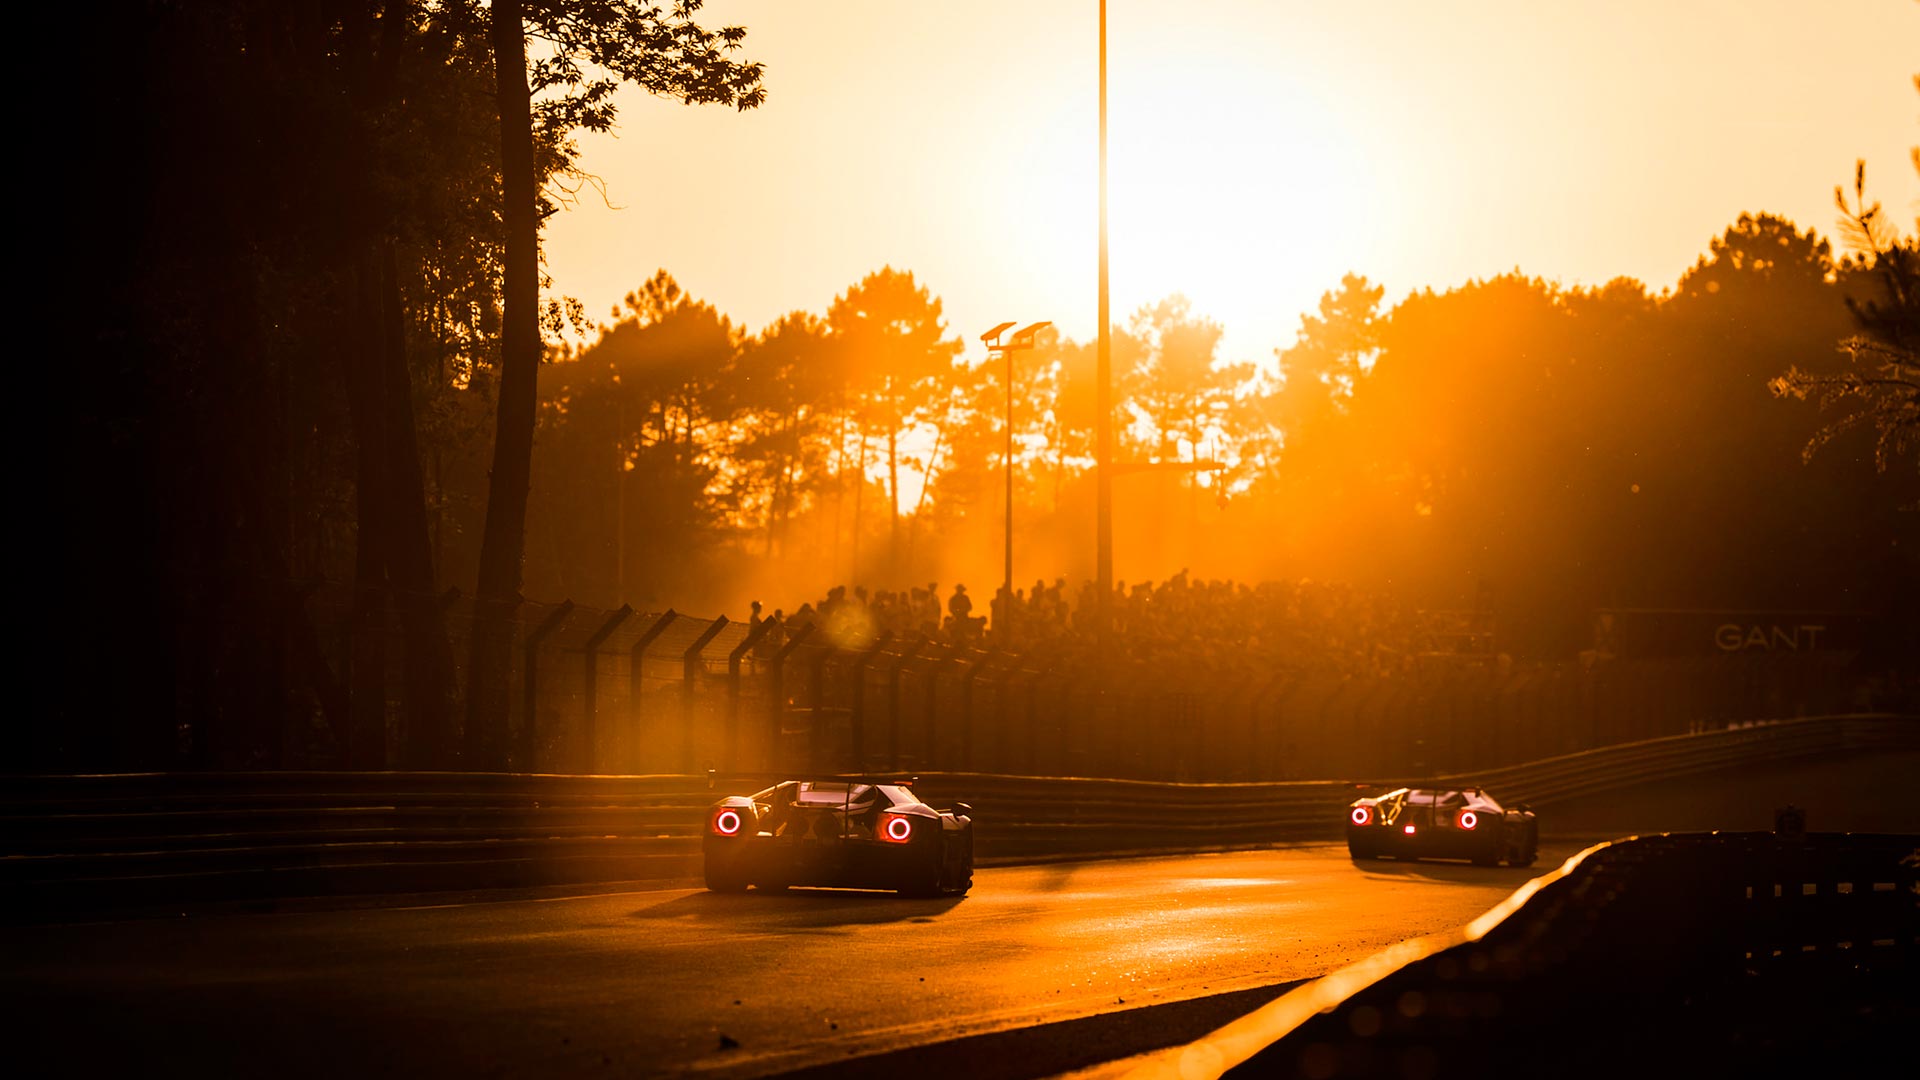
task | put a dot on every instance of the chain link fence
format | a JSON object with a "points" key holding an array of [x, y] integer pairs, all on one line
{"points": [[627, 692]]}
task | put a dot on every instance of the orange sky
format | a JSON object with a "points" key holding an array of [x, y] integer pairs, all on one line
{"points": [[1258, 150]]}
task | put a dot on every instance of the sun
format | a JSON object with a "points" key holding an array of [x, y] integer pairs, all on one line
{"points": [[1233, 186]]}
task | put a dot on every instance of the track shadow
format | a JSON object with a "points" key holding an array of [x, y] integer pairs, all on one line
{"points": [[1448, 873], [799, 909], [1053, 877]]}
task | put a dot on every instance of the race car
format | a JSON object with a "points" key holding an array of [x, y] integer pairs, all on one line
{"points": [[1435, 823], [838, 833]]}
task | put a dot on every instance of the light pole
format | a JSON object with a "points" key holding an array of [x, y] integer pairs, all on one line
{"points": [[1022, 339], [1103, 381]]}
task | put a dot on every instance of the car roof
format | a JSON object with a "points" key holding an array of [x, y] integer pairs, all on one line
{"points": [[1467, 795], [858, 791]]}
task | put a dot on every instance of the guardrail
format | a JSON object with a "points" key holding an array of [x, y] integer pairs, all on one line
{"points": [[130, 840], [1609, 768], [1722, 954]]}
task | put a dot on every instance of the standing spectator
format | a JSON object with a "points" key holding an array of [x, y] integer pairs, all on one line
{"points": [[961, 608]]}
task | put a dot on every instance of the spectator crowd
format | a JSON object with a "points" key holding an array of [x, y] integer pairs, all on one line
{"points": [[1203, 627]]}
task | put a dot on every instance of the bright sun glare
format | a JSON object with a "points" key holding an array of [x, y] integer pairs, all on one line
{"points": [[1230, 186]]}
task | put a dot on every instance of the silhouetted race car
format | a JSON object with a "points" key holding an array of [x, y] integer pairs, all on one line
{"points": [[1434, 823], [840, 833]]}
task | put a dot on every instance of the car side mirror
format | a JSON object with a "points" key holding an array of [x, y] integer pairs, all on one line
{"points": [[963, 808]]}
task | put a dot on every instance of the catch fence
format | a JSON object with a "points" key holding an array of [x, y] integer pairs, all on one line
{"points": [[624, 692]]}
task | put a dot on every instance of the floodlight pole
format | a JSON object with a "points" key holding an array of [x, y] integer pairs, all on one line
{"points": [[1006, 577], [1003, 626], [1103, 455]]}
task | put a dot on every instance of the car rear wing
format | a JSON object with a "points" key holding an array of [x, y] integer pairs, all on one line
{"points": [[714, 776]]}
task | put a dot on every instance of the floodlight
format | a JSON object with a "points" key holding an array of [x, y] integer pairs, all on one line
{"points": [[1024, 338]]}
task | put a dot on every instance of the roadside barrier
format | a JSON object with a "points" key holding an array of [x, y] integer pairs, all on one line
{"points": [[1717, 954], [136, 840]]}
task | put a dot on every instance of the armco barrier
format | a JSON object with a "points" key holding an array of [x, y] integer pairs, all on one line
{"points": [[130, 840], [1723, 954]]}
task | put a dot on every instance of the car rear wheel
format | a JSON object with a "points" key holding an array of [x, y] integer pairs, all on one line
{"points": [[930, 886], [951, 871], [1524, 848], [725, 879], [962, 878]]}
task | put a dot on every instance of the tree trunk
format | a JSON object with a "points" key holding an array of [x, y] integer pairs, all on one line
{"points": [[859, 501], [367, 663], [789, 463], [503, 543], [893, 499], [409, 547], [779, 484], [839, 490]]}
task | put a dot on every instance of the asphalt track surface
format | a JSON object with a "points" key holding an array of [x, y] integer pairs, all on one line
{"points": [[1112, 956]]}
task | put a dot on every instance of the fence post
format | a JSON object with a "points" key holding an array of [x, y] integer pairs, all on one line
{"points": [[967, 675], [1220, 716], [590, 709], [1033, 721], [1002, 686], [1255, 735], [858, 719], [529, 680], [636, 669], [777, 693], [754, 634], [932, 723], [689, 674], [816, 701], [893, 699]]}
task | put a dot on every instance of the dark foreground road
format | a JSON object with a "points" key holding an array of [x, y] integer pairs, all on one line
{"points": [[649, 983], [682, 982]]}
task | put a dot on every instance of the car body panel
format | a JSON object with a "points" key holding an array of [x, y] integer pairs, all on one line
{"points": [[838, 834], [1441, 823]]}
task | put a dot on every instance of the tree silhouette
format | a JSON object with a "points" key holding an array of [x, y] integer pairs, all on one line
{"points": [[590, 47], [783, 386], [898, 360], [1177, 388], [1881, 379], [1334, 349]]}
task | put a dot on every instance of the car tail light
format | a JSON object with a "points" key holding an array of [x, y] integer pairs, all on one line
{"points": [[727, 822], [1409, 830], [895, 829], [1467, 819], [1362, 815]]}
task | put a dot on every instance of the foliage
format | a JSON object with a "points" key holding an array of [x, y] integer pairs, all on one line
{"points": [[1879, 385]]}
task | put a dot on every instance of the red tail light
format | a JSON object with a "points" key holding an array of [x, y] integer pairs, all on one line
{"points": [[1362, 815], [1467, 819], [895, 829], [727, 822], [1409, 830]]}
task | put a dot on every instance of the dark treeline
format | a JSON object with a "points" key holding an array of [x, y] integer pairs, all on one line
{"points": [[303, 323], [299, 275], [1546, 449]]}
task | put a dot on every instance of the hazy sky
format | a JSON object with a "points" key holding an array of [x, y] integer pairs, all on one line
{"points": [[1258, 150]]}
